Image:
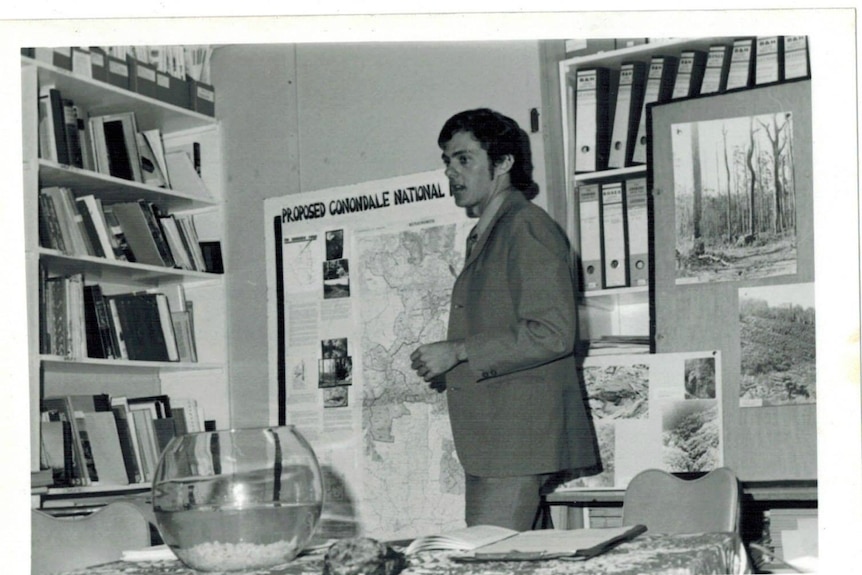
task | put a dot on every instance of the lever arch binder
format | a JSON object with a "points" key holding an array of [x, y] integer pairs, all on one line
{"points": [[592, 131], [741, 72], [662, 72], [613, 235], [591, 237], [638, 235], [689, 75], [627, 113]]}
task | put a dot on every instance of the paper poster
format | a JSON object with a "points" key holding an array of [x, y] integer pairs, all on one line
{"points": [[654, 411], [366, 276]]}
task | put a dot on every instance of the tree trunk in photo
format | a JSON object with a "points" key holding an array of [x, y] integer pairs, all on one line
{"points": [[697, 243], [777, 146], [752, 178], [729, 188]]}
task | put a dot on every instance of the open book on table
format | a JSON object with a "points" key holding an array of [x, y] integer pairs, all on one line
{"points": [[491, 543]]}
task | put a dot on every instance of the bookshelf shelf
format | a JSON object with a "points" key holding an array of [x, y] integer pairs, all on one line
{"points": [[102, 98], [102, 269], [88, 364], [65, 371], [111, 189]]}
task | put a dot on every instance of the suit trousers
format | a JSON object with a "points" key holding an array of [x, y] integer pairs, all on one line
{"points": [[510, 502]]}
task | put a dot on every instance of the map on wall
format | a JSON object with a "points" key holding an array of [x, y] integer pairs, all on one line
{"points": [[367, 273]]}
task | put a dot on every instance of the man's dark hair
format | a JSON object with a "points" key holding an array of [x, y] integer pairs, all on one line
{"points": [[499, 136]]}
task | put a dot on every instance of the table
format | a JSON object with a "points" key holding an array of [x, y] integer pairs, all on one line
{"points": [[700, 554]]}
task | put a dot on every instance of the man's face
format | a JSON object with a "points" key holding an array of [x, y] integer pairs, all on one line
{"points": [[469, 171]]}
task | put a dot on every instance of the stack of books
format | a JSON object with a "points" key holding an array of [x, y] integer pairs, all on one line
{"points": [[106, 441], [78, 321]]}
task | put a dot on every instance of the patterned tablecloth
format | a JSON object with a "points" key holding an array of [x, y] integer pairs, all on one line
{"points": [[697, 554]]}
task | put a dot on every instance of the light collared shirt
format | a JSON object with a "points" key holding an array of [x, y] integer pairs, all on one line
{"points": [[490, 211]]}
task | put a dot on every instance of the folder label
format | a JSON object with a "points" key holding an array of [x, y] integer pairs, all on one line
{"points": [[613, 235], [638, 235], [767, 69], [795, 57], [714, 75], [591, 236], [741, 60]]}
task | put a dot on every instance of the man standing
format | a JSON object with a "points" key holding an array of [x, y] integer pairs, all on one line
{"points": [[516, 406]]}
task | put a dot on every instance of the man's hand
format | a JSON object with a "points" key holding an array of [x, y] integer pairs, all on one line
{"points": [[435, 359]]}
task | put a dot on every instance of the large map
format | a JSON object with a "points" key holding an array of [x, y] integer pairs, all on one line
{"points": [[413, 481], [366, 274]]}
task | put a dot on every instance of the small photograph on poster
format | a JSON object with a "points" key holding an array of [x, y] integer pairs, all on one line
{"points": [[336, 371], [778, 345], [618, 391], [335, 396], [700, 378], [334, 245], [691, 435], [735, 198], [336, 279], [333, 347]]}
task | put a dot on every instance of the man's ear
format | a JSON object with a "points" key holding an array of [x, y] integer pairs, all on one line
{"points": [[504, 165]]}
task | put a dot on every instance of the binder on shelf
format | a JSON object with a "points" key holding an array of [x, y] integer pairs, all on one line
{"points": [[591, 237], [201, 97], [614, 264], [59, 56], [689, 76], [637, 223], [659, 87], [592, 130], [717, 66], [741, 72], [99, 64], [81, 62], [796, 58], [628, 107], [769, 64], [117, 72], [142, 78]]}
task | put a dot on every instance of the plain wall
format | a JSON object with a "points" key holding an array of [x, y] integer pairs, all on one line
{"points": [[298, 118]]}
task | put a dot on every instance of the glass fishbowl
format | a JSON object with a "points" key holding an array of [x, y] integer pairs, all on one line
{"points": [[238, 499]]}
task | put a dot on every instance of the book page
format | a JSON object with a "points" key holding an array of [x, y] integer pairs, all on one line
{"points": [[555, 541], [465, 539]]}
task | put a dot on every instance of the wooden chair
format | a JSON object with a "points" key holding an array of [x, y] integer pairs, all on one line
{"points": [[66, 543], [667, 504]]}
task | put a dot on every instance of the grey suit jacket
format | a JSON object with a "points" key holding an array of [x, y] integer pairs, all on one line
{"points": [[516, 406]]}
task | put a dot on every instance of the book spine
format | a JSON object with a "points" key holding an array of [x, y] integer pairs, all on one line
{"points": [[73, 138]]}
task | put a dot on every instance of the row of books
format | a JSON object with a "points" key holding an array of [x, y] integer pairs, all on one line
{"points": [[610, 127], [111, 440], [112, 144], [78, 320], [178, 75], [136, 231], [614, 234]]}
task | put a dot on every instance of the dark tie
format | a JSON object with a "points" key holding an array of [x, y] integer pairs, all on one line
{"points": [[471, 241]]}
